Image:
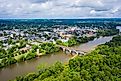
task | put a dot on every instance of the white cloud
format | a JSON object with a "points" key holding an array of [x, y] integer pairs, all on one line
{"points": [[59, 8]]}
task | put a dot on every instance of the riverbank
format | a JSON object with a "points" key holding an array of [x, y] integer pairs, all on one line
{"points": [[30, 65], [101, 64], [92, 45], [38, 50], [26, 53], [23, 68], [30, 51]]}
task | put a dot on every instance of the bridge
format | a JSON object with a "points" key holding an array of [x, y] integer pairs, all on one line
{"points": [[71, 51]]}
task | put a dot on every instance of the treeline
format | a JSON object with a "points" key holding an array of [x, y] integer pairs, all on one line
{"points": [[47, 48], [103, 64], [107, 32], [74, 41], [8, 24], [13, 54]]}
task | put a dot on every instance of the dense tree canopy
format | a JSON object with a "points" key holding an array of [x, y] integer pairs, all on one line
{"points": [[107, 32], [103, 64], [13, 55], [74, 41], [48, 48]]}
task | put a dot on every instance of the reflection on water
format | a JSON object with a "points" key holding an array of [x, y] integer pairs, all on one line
{"points": [[22, 68]]}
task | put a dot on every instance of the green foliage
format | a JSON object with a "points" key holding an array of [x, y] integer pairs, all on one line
{"points": [[59, 42], [34, 48], [103, 64], [7, 61], [30, 55], [1, 43], [48, 48], [74, 41], [85, 39], [107, 32], [22, 43], [13, 52], [30, 77], [20, 58]]}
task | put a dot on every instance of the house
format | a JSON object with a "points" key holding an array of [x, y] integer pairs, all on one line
{"points": [[25, 49]]}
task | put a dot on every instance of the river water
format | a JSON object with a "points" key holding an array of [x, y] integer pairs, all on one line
{"points": [[87, 47], [22, 68]]}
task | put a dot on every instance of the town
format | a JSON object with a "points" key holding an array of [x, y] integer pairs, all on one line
{"points": [[34, 34], [25, 44], [60, 40]]}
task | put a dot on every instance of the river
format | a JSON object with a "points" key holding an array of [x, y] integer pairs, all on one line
{"points": [[89, 46], [22, 68]]}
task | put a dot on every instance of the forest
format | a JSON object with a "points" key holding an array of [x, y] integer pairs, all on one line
{"points": [[102, 64], [9, 24]]}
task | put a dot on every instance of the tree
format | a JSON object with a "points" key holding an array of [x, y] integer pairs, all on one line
{"points": [[30, 55]]}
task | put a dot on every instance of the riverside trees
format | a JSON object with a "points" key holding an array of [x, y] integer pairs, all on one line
{"points": [[102, 64], [74, 41], [107, 32], [48, 48], [13, 54]]}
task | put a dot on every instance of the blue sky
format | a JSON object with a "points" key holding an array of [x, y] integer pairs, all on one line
{"points": [[59, 8]]}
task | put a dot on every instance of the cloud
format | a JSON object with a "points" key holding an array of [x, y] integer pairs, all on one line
{"points": [[38, 1], [59, 8]]}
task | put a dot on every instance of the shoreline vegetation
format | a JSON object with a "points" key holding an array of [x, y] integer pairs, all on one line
{"points": [[102, 64], [44, 48], [23, 39], [17, 54]]}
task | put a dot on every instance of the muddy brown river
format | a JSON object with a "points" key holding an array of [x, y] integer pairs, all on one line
{"points": [[10, 72]]}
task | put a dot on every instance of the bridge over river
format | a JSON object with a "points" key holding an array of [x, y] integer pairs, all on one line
{"points": [[28, 66], [69, 50], [72, 51]]}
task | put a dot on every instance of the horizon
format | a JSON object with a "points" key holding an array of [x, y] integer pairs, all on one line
{"points": [[66, 18]]}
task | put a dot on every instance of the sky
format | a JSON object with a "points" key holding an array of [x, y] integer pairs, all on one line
{"points": [[60, 8]]}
